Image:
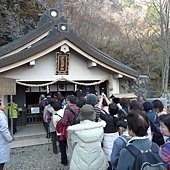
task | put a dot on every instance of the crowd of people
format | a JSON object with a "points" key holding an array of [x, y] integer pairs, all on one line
{"points": [[100, 133], [94, 132]]}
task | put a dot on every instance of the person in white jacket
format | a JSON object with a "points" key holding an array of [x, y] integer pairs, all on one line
{"points": [[5, 138], [86, 138]]}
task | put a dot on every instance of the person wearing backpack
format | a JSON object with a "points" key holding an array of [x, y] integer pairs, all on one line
{"points": [[165, 130], [52, 130], [140, 153], [135, 105], [47, 116], [119, 143], [71, 112], [153, 118]]}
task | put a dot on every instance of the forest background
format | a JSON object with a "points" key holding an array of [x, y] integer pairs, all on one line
{"points": [[135, 32]]}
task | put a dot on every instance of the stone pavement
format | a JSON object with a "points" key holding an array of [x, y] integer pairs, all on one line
{"points": [[30, 135]]}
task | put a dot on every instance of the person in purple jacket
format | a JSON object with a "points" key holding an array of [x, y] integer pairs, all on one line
{"points": [[165, 130]]}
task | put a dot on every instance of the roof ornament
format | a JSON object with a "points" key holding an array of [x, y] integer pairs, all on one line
{"points": [[54, 11], [54, 14], [43, 4], [59, 5]]}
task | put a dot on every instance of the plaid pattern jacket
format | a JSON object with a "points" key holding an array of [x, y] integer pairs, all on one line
{"points": [[166, 153], [68, 119]]}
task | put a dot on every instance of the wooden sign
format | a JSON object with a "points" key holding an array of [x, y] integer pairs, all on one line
{"points": [[62, 64], [7, 86]]}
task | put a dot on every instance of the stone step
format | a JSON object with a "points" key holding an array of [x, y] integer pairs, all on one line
{"points": [[28, 136], [32, 141]]}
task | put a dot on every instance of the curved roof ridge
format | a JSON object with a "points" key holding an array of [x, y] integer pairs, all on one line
{"points": [[99, 51], [93, 48], [108, 56], [58, 31], [21, 41]]}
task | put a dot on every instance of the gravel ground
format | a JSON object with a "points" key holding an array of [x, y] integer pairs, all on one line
{"points": [[38, 157]]}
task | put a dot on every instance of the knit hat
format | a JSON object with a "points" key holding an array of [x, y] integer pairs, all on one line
{"points": [[147, 106], [42, 96], [87, 113], [91, 99]]}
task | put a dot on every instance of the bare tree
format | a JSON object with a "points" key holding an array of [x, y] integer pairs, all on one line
{"points": [[163, 9]]}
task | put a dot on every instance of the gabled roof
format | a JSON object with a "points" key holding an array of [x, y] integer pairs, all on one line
{"points": [[51, 33], [44, 25]]}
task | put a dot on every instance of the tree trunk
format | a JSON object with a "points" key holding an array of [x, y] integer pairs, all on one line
{"points": [[166, 75]]}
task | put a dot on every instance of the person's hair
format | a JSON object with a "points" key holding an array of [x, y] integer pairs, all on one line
{"points": [[165, 118], [71, 99], [113, 108], [57, 95], [157, 104], [50, 101], [115, 100], [80, 102], [123, 116], [134, 105], [123, 102], [138, 122], [122, 123], [57, 106], [147, 106]]}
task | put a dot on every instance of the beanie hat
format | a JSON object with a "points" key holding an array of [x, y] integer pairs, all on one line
{"points": [[42, 96], [71, 99], [91, 99], [87, 113], [147, 106]]}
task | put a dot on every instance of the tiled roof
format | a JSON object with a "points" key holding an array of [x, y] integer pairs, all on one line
{"points": [[44, 25], [55, 36]]}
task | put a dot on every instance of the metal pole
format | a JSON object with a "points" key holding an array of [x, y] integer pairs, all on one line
{"points": [[11, 114]]}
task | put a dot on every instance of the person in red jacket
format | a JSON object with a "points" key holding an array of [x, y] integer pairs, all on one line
{"points": [[70, 113]]}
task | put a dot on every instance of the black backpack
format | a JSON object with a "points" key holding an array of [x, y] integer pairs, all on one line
{"points": [[157, 136], [147, 160]]}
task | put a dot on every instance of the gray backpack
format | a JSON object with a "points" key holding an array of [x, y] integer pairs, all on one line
{"points": [[125, 138], [147, 160]]}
